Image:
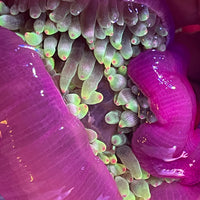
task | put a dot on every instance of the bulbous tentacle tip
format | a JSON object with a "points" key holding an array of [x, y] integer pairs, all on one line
{"points": [[160, 7]]}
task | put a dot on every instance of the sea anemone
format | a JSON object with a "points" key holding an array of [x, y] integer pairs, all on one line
{"points": [[170, 147], [86, 46]]}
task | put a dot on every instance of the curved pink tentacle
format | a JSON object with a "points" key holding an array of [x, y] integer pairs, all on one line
{"points": [[170, 147]]}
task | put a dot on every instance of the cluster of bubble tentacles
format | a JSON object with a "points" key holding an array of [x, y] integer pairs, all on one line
{"points": [[86, 46]]}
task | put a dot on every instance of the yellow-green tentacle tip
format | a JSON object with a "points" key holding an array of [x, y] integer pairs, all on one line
{"points": [[70, 67], [116, 39], [109, 31], [127, 157], [94, 98], [118, 140], [63, 25], [83, 110], [122, 70], [92, 135], [128, 119], [144, 14], [130, 196], [145, 174], [140, 29], [113, 117], [141, 189], [50, 44], [128, 176], [100, 49], [74, 28], [132, 105], [112, 158], [50, 28], [73, 98], [91, 84], [108, 56], [117, 59], [91, 45], [109, 71], [98, 147], [135, 40], [104, 158], [124, 96], [33, 38], [117, 82], [123, 186], [117, 169], [169, 180], [154, 181], [64, 46], [86, 65], [49, 63]]}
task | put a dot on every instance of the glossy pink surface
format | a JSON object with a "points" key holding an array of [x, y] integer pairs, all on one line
{"points": [[44, 151], [171, 146]]}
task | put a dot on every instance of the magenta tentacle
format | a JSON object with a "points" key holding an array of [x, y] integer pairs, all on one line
{"points": [[170, 147], [45, 153]]}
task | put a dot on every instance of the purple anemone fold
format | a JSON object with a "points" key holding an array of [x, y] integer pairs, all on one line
{"points": [[171, 146], [45, 153], [175, 191]]}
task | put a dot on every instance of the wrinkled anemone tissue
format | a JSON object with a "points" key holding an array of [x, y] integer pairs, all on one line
{"points": [[95, 103]]}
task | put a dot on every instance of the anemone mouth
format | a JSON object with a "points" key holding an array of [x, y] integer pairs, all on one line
{"points": [[86, 46]]}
